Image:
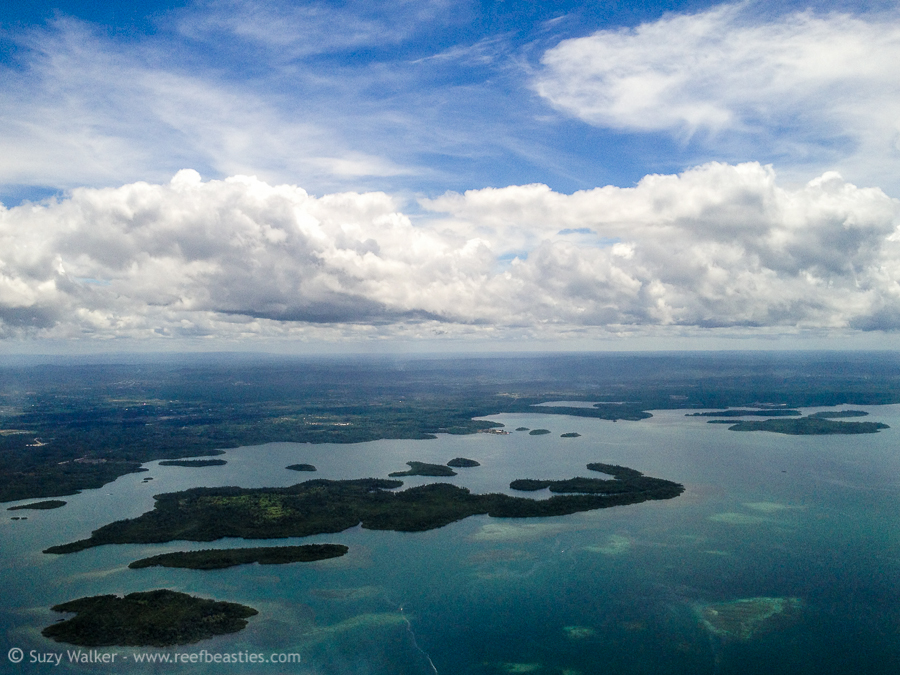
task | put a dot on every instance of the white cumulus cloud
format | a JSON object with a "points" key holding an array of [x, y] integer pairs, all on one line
{"points": [[815, 89], [716, 246]]}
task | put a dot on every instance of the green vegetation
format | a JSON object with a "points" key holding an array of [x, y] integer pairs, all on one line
{"points": [[326, 506], [625, 481], [424, 469], [301, 467], [65, 428], [49, 504], [570, 434], [521, 428], [159, 618], [462, 462], [538, 432], [214, 559], [193, 463], [838, 414], [810, 426], [778, 412]]}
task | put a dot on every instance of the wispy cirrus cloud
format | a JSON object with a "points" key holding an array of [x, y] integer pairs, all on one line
{"points": [[297, 30], [267, 89], [85, 111]]}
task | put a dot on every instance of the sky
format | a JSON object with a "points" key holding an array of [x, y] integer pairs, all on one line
{"points": [[432, 175]]}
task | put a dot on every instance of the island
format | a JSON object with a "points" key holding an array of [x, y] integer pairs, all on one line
{"points": [[625, 481], [737, 412], [810, 426], [538, 432], [837, 414], [93, 430], [159, 618], [570, 434], [40, 506], [462, 462], [301, 467], [328, 506], [193, 463], [216, 559], [424, 469]]}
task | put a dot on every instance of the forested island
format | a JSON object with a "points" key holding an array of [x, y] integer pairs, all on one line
{"points": [[737, 412], [301, 467], [424, 469], [839, 414], [624, 481], [39, 506], [220, 558], [809, 426], [98, 422], [328, 506], [462, 462], [159, 618], [193, 463]]}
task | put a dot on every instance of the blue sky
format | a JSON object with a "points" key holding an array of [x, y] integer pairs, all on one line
{"points": [[633, 123]]}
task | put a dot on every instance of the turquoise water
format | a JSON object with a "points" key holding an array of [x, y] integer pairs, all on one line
{"points": [[622, 590]]}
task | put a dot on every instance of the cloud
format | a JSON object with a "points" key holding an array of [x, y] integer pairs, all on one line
{"points": [[814, 89], [716, 246], [295, 31], [86, 110]]}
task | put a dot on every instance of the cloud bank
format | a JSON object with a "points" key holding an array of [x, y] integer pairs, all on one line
{"points": [[806, 88], [716, 246]]}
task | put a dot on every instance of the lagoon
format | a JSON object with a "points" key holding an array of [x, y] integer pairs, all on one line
{"points": [[780, 557]]}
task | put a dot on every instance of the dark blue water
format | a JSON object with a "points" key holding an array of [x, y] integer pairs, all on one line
{"points": [[810, 522]]}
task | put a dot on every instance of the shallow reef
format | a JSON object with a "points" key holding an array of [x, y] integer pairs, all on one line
{"points": [[616, 544], [579, 632], [743, 619]]}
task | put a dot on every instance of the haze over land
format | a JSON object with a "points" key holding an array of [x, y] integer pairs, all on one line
{"points": [[432, 175]]}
